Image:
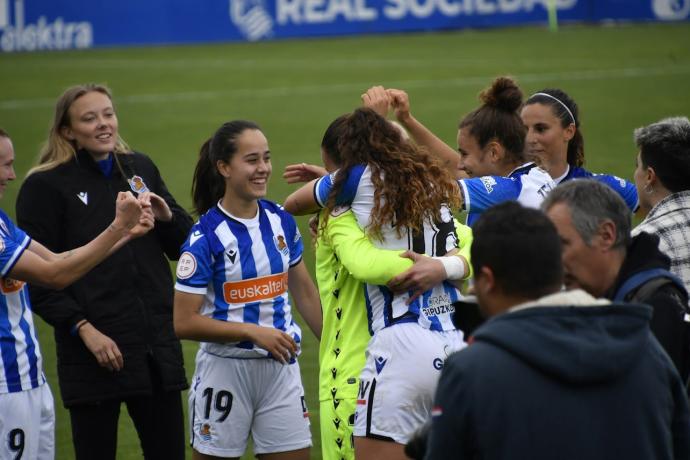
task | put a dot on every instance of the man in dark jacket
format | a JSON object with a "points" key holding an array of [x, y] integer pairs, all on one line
{"points": [[553, 374], [600, 257]]}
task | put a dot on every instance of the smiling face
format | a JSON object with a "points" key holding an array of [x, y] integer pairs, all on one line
{"points": [[247, 173], [6, 163], [547, 140], [92, 124], [474, 160]]}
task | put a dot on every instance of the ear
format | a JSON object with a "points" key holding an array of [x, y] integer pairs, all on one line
{"points": [[487, 280], [496, 151], [569, 132], [650, 176], [223, 168], [606, 235], [67, 133]]}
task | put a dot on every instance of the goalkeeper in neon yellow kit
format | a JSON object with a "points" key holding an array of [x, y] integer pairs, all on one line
{"points": [[345, 332]]}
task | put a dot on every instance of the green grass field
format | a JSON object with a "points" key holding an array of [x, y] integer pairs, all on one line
{"points": [[169, 100]]}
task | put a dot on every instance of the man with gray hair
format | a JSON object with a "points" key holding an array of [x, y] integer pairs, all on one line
{"points": [[662, 177], [601, 257]]}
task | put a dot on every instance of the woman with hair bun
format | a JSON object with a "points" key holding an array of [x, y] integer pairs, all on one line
{"points": [[555, 141], [491, 142]]}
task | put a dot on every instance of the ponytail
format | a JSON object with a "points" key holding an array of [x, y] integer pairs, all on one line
{"points": [[207, 185]]}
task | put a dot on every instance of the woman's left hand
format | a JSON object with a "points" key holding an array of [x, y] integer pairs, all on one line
{"points": [[161, 210]]}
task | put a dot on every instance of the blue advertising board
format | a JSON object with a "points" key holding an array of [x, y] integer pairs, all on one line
{"points": [[75, 24]]}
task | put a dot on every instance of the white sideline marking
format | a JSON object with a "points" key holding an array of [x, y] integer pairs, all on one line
{"points": [[312, 90]]}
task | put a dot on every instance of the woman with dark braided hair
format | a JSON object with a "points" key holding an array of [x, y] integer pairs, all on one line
{"points": [[554, 140], [403, 197]]}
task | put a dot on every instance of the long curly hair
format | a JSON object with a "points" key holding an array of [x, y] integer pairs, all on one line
{"points": [[410, 185]]}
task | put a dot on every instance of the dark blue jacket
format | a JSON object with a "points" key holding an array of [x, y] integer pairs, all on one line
{"points": [[560, 382]]}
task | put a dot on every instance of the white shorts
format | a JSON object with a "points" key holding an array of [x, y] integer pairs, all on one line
{"points": [[27, 424], [232, 397], [396, 389]]}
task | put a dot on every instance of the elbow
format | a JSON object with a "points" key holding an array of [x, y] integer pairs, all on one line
{"points": [[181, 331], [290, 205], [57, 280]]}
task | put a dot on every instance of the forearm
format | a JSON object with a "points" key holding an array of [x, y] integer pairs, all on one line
{"points": [[423, 136], [359, 256], [204, 329], [69, 266], [302, 202]]}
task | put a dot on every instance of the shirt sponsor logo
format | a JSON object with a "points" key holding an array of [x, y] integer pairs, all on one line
{"points": [[256, 289], [186, 266]]}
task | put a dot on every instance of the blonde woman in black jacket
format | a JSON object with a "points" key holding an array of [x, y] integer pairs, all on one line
{"points": [[113, 329]]}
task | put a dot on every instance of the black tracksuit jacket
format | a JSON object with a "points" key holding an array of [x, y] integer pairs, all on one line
{"points": [[128, 297]]}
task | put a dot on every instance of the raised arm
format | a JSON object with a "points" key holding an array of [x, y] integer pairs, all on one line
{"points": [[400, 103], [39, 265]]}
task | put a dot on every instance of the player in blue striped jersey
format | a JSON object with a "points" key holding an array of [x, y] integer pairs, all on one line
{"points": [[237, 266], [555, 140], [27, 418], [380, 175], [491, 167]]}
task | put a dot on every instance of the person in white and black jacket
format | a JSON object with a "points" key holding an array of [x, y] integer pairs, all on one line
{"points": [[113, 329]]}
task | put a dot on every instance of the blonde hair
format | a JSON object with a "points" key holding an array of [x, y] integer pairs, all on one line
{"points": [[58, 150]]}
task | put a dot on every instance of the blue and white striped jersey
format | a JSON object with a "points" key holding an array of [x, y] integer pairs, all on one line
{"points": [[528, 185], [433, 310], [20, 355], [624, 188], [241, 266]]}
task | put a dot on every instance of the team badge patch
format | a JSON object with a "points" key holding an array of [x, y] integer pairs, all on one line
{"points": [[282, 247], [186, 266], [136, 183], [205, 432]]}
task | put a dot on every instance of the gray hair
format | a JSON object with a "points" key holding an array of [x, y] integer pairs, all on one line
{"points": [[665, 147], [672, 129], [591, 203]]}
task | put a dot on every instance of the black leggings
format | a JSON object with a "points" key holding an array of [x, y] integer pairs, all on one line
{"points": [[158, 419]]}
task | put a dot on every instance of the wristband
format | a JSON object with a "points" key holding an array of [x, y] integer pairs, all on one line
{"points": [[79, 325], [454, 266]]}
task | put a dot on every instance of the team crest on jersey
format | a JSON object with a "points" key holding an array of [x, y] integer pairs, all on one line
{"points": [[282, 247], [8, 285], [205, 431], [186, 266], [136, 183]]}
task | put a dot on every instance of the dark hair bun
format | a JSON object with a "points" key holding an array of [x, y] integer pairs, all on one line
{"points": [[503, 94]]}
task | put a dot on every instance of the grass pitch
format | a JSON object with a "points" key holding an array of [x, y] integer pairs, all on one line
{"points": [[169, 100]]}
